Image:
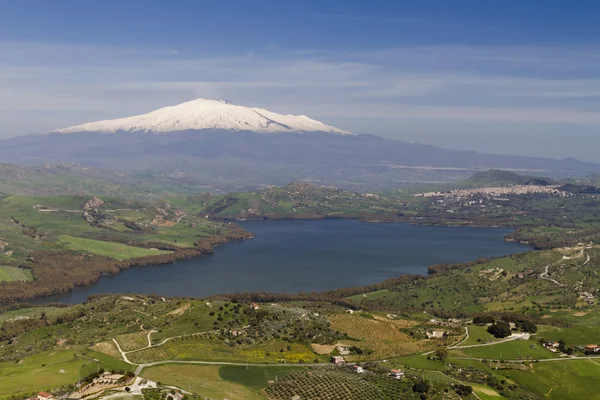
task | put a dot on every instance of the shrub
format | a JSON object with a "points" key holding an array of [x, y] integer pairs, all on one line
{"points": [[500, 329]]}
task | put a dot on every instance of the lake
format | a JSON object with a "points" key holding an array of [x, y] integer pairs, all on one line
{"points": [[306, 256]]}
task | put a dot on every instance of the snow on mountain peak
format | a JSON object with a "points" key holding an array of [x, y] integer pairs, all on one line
{"points": [[207, 114]]}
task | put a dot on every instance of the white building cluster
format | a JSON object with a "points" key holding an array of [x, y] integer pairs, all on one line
{"points": [[497, 191]]}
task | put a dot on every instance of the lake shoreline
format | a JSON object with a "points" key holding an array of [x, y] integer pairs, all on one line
{"points": [[369, 218], [363, 232], [112, 267]]}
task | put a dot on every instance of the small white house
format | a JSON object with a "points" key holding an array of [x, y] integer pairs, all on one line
{"points": [[396, 373]]}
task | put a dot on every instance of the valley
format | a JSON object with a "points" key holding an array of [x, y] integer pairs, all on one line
{"points": [[407, 332]]}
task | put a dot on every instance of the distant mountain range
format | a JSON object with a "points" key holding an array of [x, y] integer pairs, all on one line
{"points": [[219, 145]]}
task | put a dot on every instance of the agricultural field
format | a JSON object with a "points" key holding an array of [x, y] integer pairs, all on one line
{"points": [[113, 250], [556, 380], [197, 348], [379, 337], [133, 341], [51, 370], [33, 313], [202, 380], [478, 335], [512, 350], [14, 274], [342, 384], [255, 378]]}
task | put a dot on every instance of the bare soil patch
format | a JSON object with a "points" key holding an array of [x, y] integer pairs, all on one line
{"points": [[488, 392], [323, 349], [178, 312], [108, 348]]}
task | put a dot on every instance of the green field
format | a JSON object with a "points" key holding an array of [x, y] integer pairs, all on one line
{"points": [[204, 349], [419, 362], [574, 379], [574, 335], [202, 380], [51, 370], [109, 249], [34, 312], [512, 350], [253, 377], [478, 333], [10, 274]]}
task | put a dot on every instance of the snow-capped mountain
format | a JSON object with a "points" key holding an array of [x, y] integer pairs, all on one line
{"points": [[207, 114]]}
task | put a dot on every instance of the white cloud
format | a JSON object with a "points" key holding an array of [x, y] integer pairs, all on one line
{"points": [[76, 83]]}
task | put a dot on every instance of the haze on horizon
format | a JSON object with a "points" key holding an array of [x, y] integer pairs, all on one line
{"points": [[509, 78]]}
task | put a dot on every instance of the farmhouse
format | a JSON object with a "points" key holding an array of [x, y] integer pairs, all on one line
{"points": [[338, 360], [592, 347], [108, 378], [586, 296], [44, 396], [254, 306], [435, 334], [358, 370], [396, 373], [552, 346]]}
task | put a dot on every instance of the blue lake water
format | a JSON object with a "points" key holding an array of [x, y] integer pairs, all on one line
{"points": [[306, 256]]}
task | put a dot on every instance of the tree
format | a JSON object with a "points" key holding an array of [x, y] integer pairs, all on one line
{"points": [[483, 319], [442, 354], [500, 329], [527, 326], [463, 390], [421, 387]]}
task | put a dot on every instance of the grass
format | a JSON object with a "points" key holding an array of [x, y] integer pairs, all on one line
{"points": [[253, 377], [575, 335], [512, 350], [34, 312], [194, 319], [485, 392], [109, 249], [10, 274], [50, 370], [478, 333], [208, 350], [574, 379], [202, 380], [419, 362]]}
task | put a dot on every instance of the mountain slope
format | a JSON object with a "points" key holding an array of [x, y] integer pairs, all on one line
{"points": [[201, 114], [200, 143], [231, 161], [496, 177]]}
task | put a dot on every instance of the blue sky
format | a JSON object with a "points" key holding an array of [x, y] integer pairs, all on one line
{"points": [[519, 77]]}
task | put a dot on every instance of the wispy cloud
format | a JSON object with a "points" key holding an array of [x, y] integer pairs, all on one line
{"points": [[76, 83]]}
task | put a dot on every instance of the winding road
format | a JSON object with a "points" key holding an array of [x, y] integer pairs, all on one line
{"points": [[544, 275]]}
